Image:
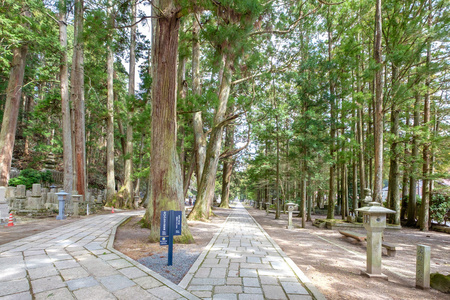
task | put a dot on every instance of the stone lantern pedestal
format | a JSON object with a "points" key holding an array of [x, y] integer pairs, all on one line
{"points": [[267, 207], [290, 207], [61, 199], [374, 220]]}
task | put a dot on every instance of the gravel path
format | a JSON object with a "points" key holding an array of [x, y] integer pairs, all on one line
{"points": [[182, 261]]}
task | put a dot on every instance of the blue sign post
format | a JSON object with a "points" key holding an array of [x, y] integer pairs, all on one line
{"points": [[169, 227]]}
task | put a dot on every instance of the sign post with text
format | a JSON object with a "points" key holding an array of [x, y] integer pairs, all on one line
{"points": [[169, 227]]}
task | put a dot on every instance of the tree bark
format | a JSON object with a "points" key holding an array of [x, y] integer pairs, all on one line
{"points": [[166, 188], [414, 166], [332, 193], [277, 181], [199, 134], [394, 172], [227, 167], [12, 104], [110, 176], [77, 98], [405, 175], [137, 186], [378, 126], [426, 193], [128, 182], [304, 194], [205, 191]]}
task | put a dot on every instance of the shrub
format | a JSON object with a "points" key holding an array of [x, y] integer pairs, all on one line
{"points": [[440, 205], [28, 177]]}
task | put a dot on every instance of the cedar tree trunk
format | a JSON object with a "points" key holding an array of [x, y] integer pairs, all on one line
{"points": [[166, 188]]}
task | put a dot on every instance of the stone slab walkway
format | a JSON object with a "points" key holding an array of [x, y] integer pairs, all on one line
{"points": [[77, 261], [243, 262]]}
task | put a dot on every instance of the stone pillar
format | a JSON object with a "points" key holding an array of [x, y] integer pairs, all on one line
{"points": [[290, 210], [20, 199], [374, 217], [423, 267], [36, 190], [34, 198], [100, 197], [267, 207], [21, 191], [10, 192], [374, 252], [4, 208], [76, 199], [10, 196], [44, 192]]}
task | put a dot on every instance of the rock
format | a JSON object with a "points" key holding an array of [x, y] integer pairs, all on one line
{"points": [[440, 282]]}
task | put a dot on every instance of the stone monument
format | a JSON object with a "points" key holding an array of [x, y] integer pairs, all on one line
{"points": [[76, 199], [34, 201], [4, 208], [367, 198], [20, 200], [374, 216], [290, 210], [423, 267]]}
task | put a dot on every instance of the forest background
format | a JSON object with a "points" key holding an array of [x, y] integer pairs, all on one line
{"points": [[275, 101]]}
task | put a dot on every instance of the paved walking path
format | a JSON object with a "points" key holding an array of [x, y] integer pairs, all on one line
{"points": [[77, 261], [243, 262]]}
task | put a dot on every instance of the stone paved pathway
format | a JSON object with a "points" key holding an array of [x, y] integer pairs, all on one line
{"points": [[243, 262], [76, 261]]}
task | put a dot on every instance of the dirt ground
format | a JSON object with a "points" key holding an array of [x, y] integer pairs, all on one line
{"points": [[132, 240], [333, 262]]}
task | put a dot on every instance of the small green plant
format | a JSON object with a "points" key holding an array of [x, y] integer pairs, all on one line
{"points": [[439, 207], [28, 177]]}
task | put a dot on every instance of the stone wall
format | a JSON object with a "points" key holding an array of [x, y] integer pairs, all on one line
{"points": [[41, 200]]}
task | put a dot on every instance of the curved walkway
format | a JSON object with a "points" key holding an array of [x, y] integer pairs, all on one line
{"points": [[77, 261]]}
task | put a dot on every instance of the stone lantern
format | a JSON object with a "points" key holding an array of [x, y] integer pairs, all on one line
{"points": [[61, 199], [374, 220], [290, 207]]}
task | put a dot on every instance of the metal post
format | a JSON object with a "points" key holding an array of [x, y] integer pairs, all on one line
{"points": [[171, 229]]}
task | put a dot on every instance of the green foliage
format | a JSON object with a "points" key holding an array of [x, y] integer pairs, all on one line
{"points": [[28, 177], [440, 206]]}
